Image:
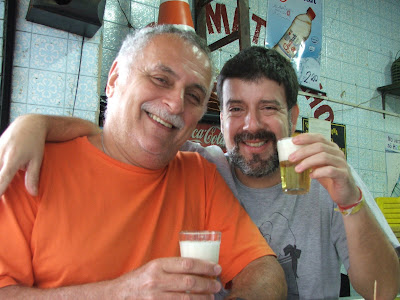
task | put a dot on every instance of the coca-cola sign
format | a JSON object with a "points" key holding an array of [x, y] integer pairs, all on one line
{"points": [[208, 134]]}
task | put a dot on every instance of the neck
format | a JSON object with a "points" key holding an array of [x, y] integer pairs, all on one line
{"points": [[258, 183], [106, 143]]}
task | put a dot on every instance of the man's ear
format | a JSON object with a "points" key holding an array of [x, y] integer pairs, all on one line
{"points": [[294, 114], [112, 79]]}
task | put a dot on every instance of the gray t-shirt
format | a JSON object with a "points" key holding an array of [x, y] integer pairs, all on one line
{"points": [[304, 231], [306, 234]]}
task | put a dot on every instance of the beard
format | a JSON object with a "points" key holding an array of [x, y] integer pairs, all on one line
{"points": [[255, 166]]}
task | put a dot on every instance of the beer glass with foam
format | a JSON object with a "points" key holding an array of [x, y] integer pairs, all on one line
{"points": [[200, 244], [293, 183]]}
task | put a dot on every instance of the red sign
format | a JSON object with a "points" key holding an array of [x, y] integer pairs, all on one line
{"points": [[207, 135]]}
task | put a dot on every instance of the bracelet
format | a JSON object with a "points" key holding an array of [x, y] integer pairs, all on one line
{"points": [[353, 208]]}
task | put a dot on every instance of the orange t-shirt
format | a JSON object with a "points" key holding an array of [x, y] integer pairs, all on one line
{"points": [[96, 218]]}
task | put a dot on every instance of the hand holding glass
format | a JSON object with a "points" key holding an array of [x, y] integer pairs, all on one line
{"points": [[293, 183]]}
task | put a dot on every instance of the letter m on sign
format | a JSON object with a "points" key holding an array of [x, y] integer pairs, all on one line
{"points": [[215, 17]]}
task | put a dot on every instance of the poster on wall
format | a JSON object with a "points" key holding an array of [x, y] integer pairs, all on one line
{"points": [[393, 164], [294, 29], [338, 133]]}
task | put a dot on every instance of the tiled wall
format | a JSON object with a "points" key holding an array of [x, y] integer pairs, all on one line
{"points": [[360, 41], [45, 73]]}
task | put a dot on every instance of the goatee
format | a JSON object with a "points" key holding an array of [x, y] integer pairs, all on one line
{"points": [[256, 166]]}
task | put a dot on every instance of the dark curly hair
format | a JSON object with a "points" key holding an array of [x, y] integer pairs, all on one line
{"points": [[258, 62]]}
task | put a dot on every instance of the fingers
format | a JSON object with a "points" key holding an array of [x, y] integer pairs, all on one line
{"points": [[309, 138], [317, 151], [184, 278], [322, 159], [191, 266], [188, 274], [32, 176], [6, 175], [193, 284]]}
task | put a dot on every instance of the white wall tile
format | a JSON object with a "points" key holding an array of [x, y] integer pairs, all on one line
{"points": [[48, 53], [16, 110], [49, 31], [22, 49], [19, 90], [141, 15], [46, 88], [364, 138]]}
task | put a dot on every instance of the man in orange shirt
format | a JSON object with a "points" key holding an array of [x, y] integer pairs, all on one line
{"points": [[109, 209]]}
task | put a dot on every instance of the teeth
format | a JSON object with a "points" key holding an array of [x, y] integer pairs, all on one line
{"points": [[157, 119], [259, 144]]}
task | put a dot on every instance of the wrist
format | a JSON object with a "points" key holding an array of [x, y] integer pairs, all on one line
{"points": [[352, 208]]}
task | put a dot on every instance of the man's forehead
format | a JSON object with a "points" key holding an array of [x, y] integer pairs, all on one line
{"points": [[262, 89], [176, 64]]}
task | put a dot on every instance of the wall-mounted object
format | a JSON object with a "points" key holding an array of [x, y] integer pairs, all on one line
{"points": [[83, 17], [395, 69], [392, 89]]}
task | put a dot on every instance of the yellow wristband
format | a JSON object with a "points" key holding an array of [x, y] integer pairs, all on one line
{"points": [[353, 210]]}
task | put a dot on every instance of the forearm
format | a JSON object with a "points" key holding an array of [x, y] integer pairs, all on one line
{"points": [[261, 279], [99, 290], [54, 128], [371, 257], [60, 128]]}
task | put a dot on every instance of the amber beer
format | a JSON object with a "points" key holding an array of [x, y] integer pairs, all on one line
{"points": [[293, 183]]}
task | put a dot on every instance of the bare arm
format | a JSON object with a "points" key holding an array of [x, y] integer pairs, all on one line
{"points": [[22, 144], [263, 278], [371, 255], [165, 278]]}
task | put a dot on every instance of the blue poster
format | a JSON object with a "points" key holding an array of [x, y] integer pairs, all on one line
{"points": [[294, 29]]}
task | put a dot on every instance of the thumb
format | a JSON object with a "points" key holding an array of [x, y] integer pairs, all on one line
{"points": [[32, 177]]}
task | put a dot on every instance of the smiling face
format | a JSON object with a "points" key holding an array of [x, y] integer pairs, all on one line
{"points": [[151, 115], [254, 116]]}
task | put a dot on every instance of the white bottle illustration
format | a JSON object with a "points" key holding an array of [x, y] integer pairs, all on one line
{"points": [[296, 35]]}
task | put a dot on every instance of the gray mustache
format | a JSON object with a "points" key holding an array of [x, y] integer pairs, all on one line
{"points": [[175, 120]]}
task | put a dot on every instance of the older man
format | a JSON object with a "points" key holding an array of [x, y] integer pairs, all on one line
{"points": [[258, 93], [109, 208]]}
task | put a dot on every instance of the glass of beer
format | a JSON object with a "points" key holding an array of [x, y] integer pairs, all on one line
{"points": [[293, 183], [200, 244]]}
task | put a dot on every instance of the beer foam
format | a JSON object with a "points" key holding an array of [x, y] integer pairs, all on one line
{"points": [[286, 147]]}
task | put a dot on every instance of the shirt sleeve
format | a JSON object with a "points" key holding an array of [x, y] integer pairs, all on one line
{"points": [[241, 241], [17, 216]]}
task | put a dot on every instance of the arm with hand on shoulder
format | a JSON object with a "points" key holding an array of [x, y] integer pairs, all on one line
{"points": [[22, 144]]}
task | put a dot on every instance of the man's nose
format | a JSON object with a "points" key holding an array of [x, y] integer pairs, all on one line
{"points": [[252, 122], [175, 101]]}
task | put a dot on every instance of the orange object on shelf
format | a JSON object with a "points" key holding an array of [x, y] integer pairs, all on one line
{"points": [[176, 12]]}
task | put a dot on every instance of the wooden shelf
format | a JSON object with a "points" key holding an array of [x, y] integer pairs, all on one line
{"points": [[392, 89]]}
